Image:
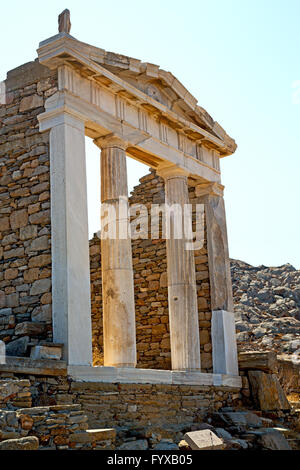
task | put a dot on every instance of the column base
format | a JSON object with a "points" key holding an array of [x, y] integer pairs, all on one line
{"points": [[224, 348]]}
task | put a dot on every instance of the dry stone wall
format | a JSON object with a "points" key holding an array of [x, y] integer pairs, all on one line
{"points": [[56, 428], [151, 292], [168, 408], [25, 230], [140, 410], [15, 393]]}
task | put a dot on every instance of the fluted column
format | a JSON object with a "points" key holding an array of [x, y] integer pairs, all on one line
{"points": [[116, 257], [182, 292]]}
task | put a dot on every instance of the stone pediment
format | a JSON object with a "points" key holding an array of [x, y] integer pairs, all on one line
{"points": [[166, 96]]}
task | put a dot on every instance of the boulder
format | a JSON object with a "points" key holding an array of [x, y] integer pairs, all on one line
{"points": [[165, 445], [139, 444], [267, 391], [237, 444], [243, 419], [238, 419], [223, 434], [17, 347], [272, 439]]}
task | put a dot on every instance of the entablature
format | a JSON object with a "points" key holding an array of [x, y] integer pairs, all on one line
{"points": [[155, 90]]}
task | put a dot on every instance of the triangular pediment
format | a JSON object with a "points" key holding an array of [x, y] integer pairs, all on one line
{"points": [[146, 78]]}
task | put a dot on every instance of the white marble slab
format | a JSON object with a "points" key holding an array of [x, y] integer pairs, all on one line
{"points": [[151, 376], [191, 378]]}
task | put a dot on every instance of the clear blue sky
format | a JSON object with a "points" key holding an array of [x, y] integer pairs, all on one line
{"points": [[239, 58]]}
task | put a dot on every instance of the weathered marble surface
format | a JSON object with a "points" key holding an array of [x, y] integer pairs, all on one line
{"points": [[224, 348], [182, 292], [155, 376], [71, 309], [117, 274], [211, 195], [64, 22]]}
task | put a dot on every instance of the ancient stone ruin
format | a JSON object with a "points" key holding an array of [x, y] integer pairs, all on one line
{"points": [[139, 331]]}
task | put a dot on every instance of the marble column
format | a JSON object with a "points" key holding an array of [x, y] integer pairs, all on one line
{"points": [[224, 348], [71, 301], [211, 195], [116, 258], [182, 291]]}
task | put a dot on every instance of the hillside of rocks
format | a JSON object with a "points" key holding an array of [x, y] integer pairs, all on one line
{"points": [[267, 307]]}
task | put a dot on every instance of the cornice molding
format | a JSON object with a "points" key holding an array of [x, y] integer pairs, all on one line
{"points": [[209, 189], [64, 49]]}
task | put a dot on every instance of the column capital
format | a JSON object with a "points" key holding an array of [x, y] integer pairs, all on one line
{"points": [[209, 189], [111, 141], [59, 110], [171, 171]]}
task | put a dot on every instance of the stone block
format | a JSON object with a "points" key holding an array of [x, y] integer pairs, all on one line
{"points": [[242, 419], [206, 360], [204, 337], [42, 313], [164, 280], [18, 219], [39, 261], [272, 439], [4, 224], [40, 243], [25, 365], [28, 328], [15, 253], [224, 347], [81, 437], [2, 299], [31, 102], [31, 275], [26, 422], [166, 445], [223, 434], [258, 360], [46, 352], [40, 218], [11, 274], [24, 443], [203, 440], [12, 300], [102, 434], [202, 303], [40, 286], [18, 347], [267, 391], [158, 329], [139, 444], [28, 232], [5, 312]]}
